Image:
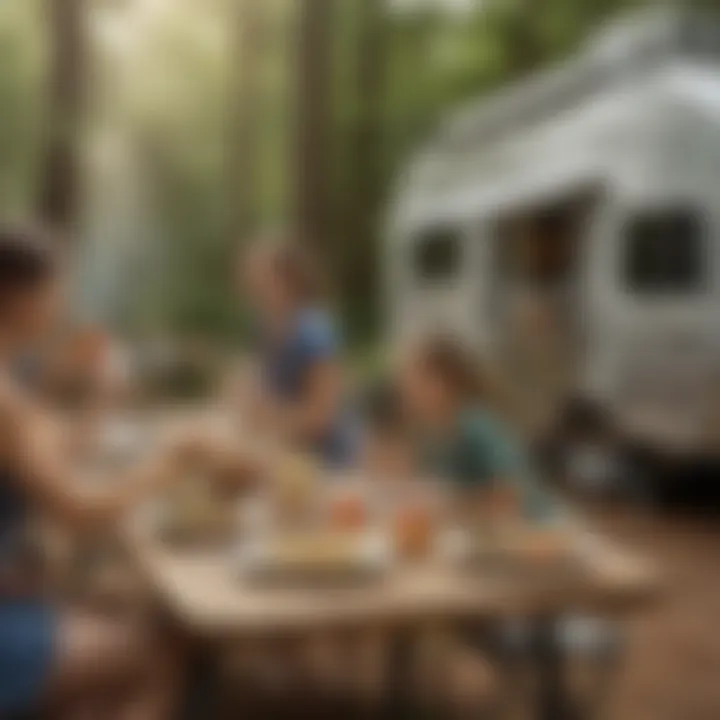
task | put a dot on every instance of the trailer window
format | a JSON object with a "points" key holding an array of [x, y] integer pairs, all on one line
{"points": [[437, 255], [665, 252]]}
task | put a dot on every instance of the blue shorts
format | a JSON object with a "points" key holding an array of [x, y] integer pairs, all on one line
{"points": [[27, 648]]}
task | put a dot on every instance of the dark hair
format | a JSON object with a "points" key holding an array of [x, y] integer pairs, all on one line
{"points": [[456, 366], [26, 261], [383, 410], [301, 271]]}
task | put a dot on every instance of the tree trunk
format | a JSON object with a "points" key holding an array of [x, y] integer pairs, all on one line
{"points": [[60, 181], [524, 38], [367, 173], [245, 160], [312, 204]]}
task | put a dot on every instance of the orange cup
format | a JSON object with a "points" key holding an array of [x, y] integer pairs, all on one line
{"points": [[413, 531], [349, 513]]}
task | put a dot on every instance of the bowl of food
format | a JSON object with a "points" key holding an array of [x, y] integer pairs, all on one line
{"points": [[315, 558], [196, 514], [347, 505], [295, 480], [413, 530]]}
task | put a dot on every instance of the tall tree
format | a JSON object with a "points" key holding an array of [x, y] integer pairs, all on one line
{"points": [[60, 180], [312, 201], [366, 159], [244, 167]]}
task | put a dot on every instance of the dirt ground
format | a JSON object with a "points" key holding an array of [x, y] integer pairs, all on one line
{"points": [[672, 668]]}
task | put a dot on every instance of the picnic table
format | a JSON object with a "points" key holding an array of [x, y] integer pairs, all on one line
{"points": [[209, 598]]}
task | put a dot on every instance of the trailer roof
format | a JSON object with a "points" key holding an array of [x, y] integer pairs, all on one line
{"points": [[637, 42], [620, 75]]}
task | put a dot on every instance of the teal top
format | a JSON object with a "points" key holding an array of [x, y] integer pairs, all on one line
{"points": [[482, 451]]}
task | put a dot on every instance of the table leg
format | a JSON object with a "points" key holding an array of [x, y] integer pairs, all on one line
{"points": [[203, 687], [400, 693], [553, 701]]}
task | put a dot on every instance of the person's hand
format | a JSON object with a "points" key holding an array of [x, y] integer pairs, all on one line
{"points": [[190, 446], [206, 439]]}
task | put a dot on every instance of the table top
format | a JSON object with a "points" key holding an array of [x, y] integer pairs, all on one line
{"points": [[206, 593]]}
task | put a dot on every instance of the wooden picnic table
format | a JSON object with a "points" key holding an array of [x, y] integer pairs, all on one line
{"points": [[209, 598], [206, 593]]}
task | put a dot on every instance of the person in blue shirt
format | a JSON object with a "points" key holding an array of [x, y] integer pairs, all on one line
{"points": [[302, 386]]}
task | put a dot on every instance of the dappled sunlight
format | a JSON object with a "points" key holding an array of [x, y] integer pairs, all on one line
{"points": [[358, 358]]}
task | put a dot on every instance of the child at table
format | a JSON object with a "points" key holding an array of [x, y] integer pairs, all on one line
{"points": [[389, 462], [417, 507], [412, 502], [388, 454], [461, 437]]}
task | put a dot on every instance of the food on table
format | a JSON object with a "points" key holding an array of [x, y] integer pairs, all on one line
{"points": [[413, 531], [196, 511], [255, 517], [232, 479], [324, 553], [349, 512], [297, 479], [317, 550]]}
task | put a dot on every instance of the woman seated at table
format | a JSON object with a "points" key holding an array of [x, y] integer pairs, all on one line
{"points": [[463, 440], [50, 655], [301, 393]]}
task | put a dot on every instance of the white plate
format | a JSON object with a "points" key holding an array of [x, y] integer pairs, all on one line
{"points": [[254, 559]]}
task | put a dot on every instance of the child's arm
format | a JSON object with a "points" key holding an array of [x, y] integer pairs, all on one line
{"points": [[490, 503]]}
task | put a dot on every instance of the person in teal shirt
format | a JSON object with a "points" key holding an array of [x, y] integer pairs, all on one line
{"points": [[461, 439]]}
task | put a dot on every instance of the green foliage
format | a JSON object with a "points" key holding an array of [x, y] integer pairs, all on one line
{"points": [[434, 61], [21, 79], [169, 90]]}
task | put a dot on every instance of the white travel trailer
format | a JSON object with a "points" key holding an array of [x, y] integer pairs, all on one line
{"points": [[571, 226]]}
